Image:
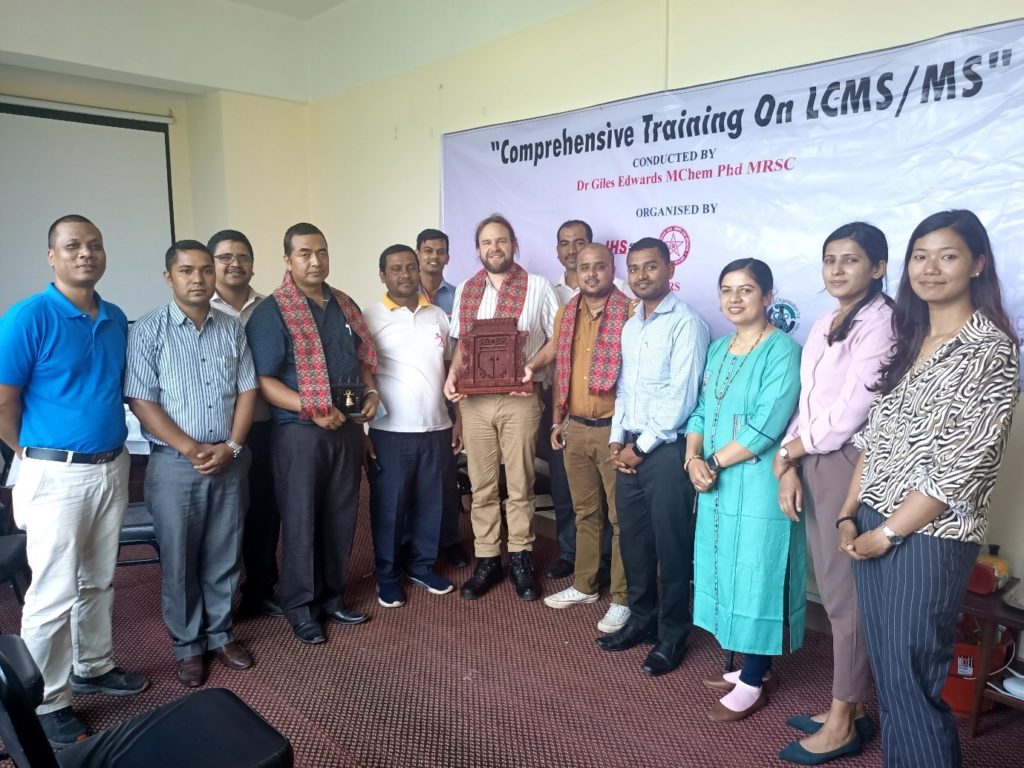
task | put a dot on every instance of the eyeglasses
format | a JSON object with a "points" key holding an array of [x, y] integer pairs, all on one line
{"points": [[227, 258]]}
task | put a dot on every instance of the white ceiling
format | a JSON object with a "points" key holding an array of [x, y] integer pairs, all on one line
{"points": [[299, 9]]}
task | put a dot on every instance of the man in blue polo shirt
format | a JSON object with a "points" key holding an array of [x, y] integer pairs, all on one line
{"points": [[61, 411]]}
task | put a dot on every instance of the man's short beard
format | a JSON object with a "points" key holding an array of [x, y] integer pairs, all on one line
{"points": [[494, 271]]}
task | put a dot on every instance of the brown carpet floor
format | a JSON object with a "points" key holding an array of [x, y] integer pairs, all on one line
{"points": [[488, 684]]}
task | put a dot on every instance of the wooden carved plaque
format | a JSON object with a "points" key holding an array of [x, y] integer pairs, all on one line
{"points": [[494, 355]]}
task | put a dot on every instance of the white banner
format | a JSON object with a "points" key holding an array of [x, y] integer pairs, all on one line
{"points": [[765, 166]]}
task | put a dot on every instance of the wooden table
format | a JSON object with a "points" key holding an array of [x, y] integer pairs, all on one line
{"points": [[991, 612]]}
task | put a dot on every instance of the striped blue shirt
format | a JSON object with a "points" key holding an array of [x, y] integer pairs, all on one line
{"points": [[662, 364], [194, 375]]}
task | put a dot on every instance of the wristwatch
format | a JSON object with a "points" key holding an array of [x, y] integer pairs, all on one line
{"points": [[236, 449], [713, 465], [894, 538], [638, 452], [784, 454]]}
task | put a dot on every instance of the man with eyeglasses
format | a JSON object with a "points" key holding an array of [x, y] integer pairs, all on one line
{"points": [[233, 262]]}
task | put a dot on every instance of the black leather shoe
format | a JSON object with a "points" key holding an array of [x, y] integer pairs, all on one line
{"points": [[346, 616], [520, 568], [561, 569], [455, 555], [663, 658], [486, 574], [310, 632], [628, 637]]}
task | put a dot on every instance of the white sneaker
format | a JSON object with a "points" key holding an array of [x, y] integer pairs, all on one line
{"points": [[567, 597], [614, 619]]}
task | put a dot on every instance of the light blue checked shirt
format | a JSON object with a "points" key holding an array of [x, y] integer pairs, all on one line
{"points": [[662, 364], [193, 375]]}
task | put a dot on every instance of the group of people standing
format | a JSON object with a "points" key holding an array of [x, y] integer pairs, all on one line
{"points": [[675, 460]]}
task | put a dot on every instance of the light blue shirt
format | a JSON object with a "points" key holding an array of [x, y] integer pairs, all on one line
{"points": [[662, 363], [444, 296], [194, 375]]}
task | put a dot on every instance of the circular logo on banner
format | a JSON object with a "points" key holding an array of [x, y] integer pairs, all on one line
{"points": [[784, 315], [678, 241]]}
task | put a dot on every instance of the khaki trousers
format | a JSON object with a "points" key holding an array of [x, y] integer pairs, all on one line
{"points": [[826, 478], [72, 516], [592, 485], [498, 428]]}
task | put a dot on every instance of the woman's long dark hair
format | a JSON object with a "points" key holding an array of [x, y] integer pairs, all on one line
{"points": [[872, 241], [910, 319]]}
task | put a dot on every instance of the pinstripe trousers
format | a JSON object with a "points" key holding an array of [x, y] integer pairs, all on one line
{"points": [[909, 601]]}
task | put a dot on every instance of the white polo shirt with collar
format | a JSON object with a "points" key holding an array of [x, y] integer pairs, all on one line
{"points": [[412, 347]]}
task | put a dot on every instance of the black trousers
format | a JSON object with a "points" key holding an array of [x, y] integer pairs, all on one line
{"points": [[262, 522], [316, 477], [654, 507], [909, 598]]}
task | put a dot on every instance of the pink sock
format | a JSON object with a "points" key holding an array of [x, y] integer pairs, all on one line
{"points": [[741, 697], [732, 677]]}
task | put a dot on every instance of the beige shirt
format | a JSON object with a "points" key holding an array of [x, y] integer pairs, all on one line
{"points": [[262, 411]]}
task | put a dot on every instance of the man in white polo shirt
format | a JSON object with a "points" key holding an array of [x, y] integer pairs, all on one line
{"points": [[414, 444]]}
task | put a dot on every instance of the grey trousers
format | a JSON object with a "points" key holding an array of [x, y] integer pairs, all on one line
{"points": [[826, 479], [198, 521], [910, 598]]}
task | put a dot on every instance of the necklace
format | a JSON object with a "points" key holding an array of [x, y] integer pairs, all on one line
{"points": [[733, 371]]}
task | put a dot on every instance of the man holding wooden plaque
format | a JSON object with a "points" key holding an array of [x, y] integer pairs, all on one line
{"points": [[502, 317]]}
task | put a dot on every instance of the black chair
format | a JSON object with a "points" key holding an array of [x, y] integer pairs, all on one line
{"points": [[137, 528], [13, 560], [209, 729]]}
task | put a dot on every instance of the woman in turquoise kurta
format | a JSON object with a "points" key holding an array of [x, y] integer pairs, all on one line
{"points": [[749, 558]]}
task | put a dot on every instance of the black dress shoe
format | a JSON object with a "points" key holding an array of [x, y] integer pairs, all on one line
{"points": [[628, 637], [346, 616], [456, 556], [310, 632], [561, 569], [663, 658], [486, 574], [520, 567]]}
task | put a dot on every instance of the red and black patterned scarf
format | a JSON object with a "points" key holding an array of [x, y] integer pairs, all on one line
{"points": [[511, 296], [310, 363], [607, 357]]}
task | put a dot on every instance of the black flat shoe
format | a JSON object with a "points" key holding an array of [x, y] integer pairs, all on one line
{"points": [[628, 637], [663, 658], [863, 725], [310, 633], [346, 616], [795, 753]]}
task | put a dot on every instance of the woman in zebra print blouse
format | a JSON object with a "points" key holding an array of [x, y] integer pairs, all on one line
{"points": [[930, 454]]}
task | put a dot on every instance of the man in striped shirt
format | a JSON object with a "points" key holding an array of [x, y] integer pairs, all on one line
{"points": [[501, 428], [190, 381]]}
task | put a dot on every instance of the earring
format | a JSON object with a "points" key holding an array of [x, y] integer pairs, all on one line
{"points": [[976, 274]]}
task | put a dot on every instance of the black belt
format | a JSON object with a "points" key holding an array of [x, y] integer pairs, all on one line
{"points": [[48, 454], [630, 437], [591, 422]]}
